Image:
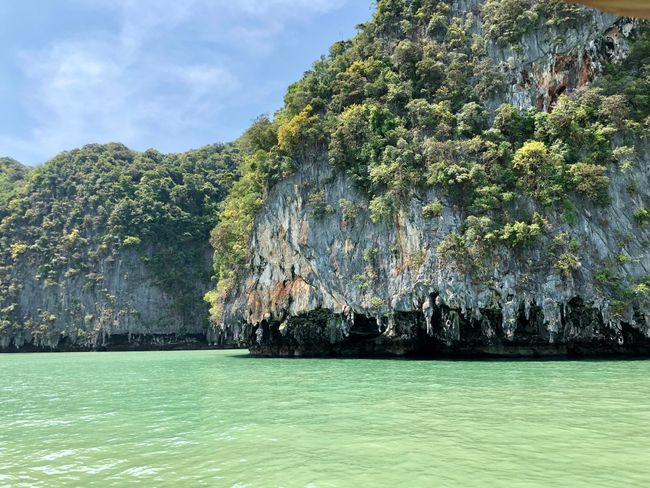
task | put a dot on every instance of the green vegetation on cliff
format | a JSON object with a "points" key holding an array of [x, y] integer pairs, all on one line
{"points": [[76, 214], [406, 106], [506, 21], [11, 174]]}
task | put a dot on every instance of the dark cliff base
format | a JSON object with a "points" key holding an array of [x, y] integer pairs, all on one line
{"points": [[124, 342], [413, 351], [583, 335]]}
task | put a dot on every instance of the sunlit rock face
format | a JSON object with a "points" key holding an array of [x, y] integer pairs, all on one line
{"points": [[541, 72], [327, 283]]}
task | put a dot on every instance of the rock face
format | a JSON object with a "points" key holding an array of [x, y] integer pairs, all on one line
{"points": [[309, 292], [335, 283], [551, 61], [126, 310]]}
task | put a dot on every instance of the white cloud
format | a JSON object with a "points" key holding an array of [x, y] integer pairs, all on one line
{"points": [[142, 81]]}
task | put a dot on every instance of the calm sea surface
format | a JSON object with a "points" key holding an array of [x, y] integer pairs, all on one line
{"points": [[219, 418]]}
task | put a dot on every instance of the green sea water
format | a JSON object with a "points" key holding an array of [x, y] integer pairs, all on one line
{"points": [[220, 418]]}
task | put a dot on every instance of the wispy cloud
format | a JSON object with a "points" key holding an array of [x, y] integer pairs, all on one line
{"points": [[160, 73]]}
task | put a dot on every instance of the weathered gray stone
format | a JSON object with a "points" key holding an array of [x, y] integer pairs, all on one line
{"points": [[125, 310]]}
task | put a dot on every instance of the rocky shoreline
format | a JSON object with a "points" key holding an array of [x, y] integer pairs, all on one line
{"points": [[322, 334], [124, 342]]}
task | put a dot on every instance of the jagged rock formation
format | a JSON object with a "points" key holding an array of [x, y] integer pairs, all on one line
{"points": [[463, 178], [326, 278], [548, 62]]}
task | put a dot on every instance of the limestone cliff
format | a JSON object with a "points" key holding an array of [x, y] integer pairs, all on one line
{"points": [[107, 248], [118, 303], [309, 291], [324, 277]]}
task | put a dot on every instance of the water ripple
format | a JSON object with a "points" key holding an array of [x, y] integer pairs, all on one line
{"points": [[211, 418]]}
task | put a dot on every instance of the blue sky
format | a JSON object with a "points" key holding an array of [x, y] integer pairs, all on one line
{"points": [[168, 74]]}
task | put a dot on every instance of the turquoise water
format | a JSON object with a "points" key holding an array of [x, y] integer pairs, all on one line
{"points": [[219, 418]]}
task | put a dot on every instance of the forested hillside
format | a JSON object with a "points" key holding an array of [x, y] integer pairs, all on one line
{"points": [[104, 240]]}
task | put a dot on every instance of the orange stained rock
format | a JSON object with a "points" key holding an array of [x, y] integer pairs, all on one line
{"points": [[628, 8], [300, 289]]}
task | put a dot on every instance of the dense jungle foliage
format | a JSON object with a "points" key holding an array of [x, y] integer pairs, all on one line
{"points": [[405, 106], [11, 174], [75, 214]]}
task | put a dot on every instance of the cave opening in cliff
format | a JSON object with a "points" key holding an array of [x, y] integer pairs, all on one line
{"points": [[364, 326]]}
